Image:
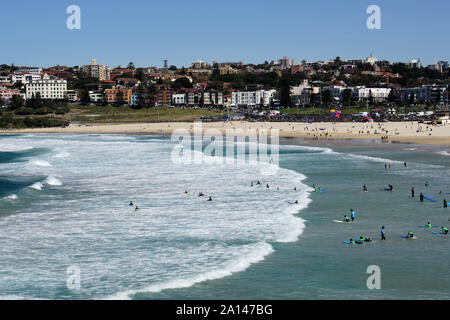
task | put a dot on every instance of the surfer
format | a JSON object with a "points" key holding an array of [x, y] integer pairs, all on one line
{"points": [[427, 183], [391, 187], [404, 163], [295, 188], [258, 183], [352, 214], [383, 236], [201, 194], [131, 203], [346, 219], [136, 209], [267, 186], [185, 192], [413, 192], [352, 241], [421, 197], [364, 188], [410, 235], [210, 199], [428, 225], [445, 203], [296, 201], [444, 230]]}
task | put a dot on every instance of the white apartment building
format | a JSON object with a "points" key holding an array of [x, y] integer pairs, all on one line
{"points": [[47, 88], [378, 94], [252, 99], [31, 70], [95, 96], [179, 98], [24, 77]]}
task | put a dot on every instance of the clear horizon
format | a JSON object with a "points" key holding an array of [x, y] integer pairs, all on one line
{"points": [[252, 32]]}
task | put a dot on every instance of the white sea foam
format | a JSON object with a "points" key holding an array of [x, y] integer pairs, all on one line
{"points": [[41, 163], [256, 253], [11, 197], [63, 154], [37, 186], [444, 153], [175, 241], [52, 181]]}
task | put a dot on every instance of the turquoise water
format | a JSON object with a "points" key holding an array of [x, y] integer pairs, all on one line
{"points": [[64, 202]]}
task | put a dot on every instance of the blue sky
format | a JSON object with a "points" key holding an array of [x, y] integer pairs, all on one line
{"points": [[148, 31]]}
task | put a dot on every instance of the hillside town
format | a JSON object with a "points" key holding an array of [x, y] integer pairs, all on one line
{"points": [[270, 85]]}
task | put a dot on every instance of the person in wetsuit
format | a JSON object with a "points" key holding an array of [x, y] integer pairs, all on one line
{"points": [[413, 192], [352, 212], [421, 197], [383, 236], [445, 203], [444, 230]]}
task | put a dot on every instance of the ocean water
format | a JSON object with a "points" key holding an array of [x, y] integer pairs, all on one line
{"points": [[64, 204]]}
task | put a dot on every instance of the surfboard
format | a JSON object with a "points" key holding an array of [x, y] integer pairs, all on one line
{"points": [[338, 221], [440, 233], [429, 199], [291, 202], [422, 226]]}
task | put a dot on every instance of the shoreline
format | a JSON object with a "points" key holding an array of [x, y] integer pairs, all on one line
{"points": [[396, 132]]}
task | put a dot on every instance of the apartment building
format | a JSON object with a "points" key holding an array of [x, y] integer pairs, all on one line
{"points": [[113, 95], [179, 99], [47, 88], [7, 93], [252, 99], [95, 70]]}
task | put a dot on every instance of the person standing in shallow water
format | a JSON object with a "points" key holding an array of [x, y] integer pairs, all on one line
{"points": [[445, 203], [421, 197], [413, 192], [383, 236]]}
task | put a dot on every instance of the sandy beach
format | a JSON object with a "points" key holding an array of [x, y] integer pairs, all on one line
{"points": [[409, 132]]}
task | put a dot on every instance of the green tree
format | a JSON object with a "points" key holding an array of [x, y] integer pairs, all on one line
{"points": [[347, 97], [16, 102], [285, 91], [85, 99], [326, 97]]}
